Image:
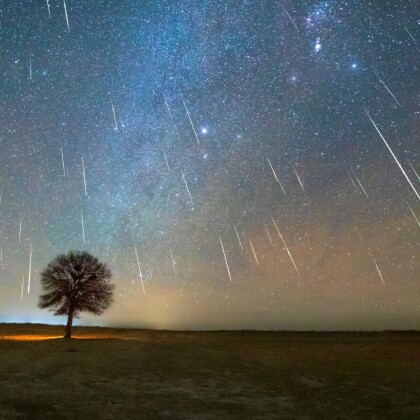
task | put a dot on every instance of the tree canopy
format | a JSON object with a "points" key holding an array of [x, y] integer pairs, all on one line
{"points": [[74, 283]]}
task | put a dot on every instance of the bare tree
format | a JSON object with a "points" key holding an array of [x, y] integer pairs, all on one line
{"points": [[74, 283]]}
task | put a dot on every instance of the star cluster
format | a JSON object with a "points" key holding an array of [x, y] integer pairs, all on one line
{"points": [[233, 145]]}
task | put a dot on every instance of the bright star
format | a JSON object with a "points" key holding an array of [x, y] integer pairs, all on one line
{"points": [[204, 130]]}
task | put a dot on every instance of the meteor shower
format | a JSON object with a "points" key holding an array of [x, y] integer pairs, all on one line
{"points": [[225, 194]]}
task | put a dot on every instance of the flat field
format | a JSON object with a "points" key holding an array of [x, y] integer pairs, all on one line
{"points": [[130, 374]]}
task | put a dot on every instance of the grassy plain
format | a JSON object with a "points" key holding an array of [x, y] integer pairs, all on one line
{"points": [[109, 373]]}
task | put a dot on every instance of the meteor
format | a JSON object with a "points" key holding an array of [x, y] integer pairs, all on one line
{"points": [[23, 284], [67, 17], [62, 161], [30, 271], [253, 251], [291, 20], [275, 176], [414, 214], [20, 228], [167, 107], [239, 239], [411, 166], [115, 117], [166, 160], [170, 116], [140, 273], [409, 33], [48, 6], [284, 243], [83, 228], [387, 88], [224, 255], [189, 117], [84, 175], [186, 186], [268, 234], [300, 182], [379, 272], [30, 69], [361, 186], [351, 178], [392, 153], [173, 261]]}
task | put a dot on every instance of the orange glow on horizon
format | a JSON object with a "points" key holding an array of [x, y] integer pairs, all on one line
{"points": [[29, 337], [38, 337]]}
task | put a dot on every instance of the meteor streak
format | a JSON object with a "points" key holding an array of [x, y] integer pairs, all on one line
{"points": [[84, 175], [291, 20], [387, 88], [361, 186], [30, 271], [83, 228], [239, 239], [30, 69], [48, 6], [253, 251], [67, 17], [167, 107], [173, 261], [379, 272], [414, 214], [351, 178], [392, 153], [409, 33], [140, 273], [20, 228], [166, 160], [170, 116], [62, 161], [284, 243], [189, 117], [411, 166], [115, 117], [224, 255], [23, 284], [186, 186], [300, 182], [268, 234], [275, 176]]}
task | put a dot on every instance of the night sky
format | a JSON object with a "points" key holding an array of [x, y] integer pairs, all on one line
{"points": [[190, 119]]}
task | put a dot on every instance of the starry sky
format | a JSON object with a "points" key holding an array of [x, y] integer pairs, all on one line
{"points": [[260, 157]]}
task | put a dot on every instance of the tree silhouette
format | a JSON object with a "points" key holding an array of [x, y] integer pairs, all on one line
{"points": [[74, 283]]}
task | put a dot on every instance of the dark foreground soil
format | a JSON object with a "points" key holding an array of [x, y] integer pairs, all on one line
{"points": [[134, 374]]}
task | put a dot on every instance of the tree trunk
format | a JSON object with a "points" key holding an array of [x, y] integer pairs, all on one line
{"points": [[69, 325]]}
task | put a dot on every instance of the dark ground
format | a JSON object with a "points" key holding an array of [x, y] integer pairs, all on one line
{"points": [[120, 374]]}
